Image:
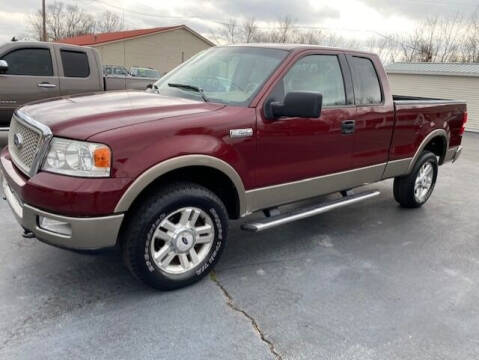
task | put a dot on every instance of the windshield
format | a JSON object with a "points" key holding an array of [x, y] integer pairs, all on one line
{"points": [[228, 75]]}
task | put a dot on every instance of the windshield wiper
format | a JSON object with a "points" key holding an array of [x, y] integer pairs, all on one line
{"points": [[190, 87]]}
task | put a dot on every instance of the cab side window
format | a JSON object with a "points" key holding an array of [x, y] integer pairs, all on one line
{"points": [[29, 61], [367, 89], [314, 73], [75, 64]]}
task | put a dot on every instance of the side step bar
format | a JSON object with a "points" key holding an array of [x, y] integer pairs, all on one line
{"points": [[304, 213]]}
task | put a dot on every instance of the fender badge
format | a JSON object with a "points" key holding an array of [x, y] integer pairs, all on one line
{"points": [[241, 133]]}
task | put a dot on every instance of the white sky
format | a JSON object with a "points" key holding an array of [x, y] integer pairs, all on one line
{"points": [[358, 19]]}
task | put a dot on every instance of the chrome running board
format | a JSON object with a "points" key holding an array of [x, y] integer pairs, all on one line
{"points": [[304, 213]]}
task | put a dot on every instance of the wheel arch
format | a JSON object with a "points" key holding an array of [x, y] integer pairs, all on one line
{"points": [[213, 173], [437, 142]]}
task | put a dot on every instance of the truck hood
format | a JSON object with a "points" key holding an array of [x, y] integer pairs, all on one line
{"points": [[82, 116]]}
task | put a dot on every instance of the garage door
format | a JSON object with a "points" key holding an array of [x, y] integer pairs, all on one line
{"points": [[443, 87]]}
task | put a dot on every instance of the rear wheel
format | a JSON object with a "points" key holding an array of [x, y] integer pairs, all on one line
{"points": [[176, 237], [413, 190]]}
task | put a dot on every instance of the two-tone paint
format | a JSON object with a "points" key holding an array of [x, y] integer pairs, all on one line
{"points": [[276, 162]]}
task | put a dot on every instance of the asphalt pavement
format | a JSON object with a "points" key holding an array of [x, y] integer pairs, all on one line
{"points": [[370, 281]]}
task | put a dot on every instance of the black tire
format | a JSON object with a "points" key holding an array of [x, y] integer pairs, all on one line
{"points": [[404, 185], [138, 233]]}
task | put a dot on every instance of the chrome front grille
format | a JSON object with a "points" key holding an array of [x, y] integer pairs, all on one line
{"points": [[27, 142]]}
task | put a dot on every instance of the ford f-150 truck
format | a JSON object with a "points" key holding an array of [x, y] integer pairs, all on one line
{"points": [[37, 70], [233, 131]]}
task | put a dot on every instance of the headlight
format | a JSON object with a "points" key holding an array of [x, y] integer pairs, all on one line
{"points": [[78, 158]]}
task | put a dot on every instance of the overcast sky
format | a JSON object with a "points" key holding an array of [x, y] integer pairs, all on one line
{"points": [[350, 18]]}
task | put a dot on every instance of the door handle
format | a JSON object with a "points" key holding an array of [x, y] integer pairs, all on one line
{"points": [[348, 127], [46, 85]]}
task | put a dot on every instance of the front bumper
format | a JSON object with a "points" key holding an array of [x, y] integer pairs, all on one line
{"points": [[78, 233]]}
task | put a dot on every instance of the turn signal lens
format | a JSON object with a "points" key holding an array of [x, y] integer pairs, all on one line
{"points": [[102, 157]]}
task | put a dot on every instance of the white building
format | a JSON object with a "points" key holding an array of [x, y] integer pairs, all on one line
{"points": [[444, 81], [161, 48]]}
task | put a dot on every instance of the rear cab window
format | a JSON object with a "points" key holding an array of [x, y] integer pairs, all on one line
{"points": [[367, 88], [75, 64], [29, 61]]}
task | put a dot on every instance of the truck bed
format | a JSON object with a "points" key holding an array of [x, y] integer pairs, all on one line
{"points": [[424, 115], [402, 99]]}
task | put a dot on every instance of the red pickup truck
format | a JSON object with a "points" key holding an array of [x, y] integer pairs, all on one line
{"points": [[233, 131]]}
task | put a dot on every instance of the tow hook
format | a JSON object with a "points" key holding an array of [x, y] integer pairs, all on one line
{"points": [[28, 234]]}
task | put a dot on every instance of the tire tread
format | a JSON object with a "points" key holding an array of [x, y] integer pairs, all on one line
{"points": [[404, 185], [148, 209]]}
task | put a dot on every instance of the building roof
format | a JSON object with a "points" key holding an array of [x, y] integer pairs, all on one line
{"points": [[96, 39], [441, 69]]}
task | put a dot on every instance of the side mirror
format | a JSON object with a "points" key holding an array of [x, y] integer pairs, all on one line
{"points": [[3, 66], [296, 104]]}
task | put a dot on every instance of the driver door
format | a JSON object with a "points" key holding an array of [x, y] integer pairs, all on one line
{"points": [[292, 149], [30, 76]]}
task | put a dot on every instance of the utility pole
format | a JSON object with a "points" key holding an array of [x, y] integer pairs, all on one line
{"points": [[44, 22]]}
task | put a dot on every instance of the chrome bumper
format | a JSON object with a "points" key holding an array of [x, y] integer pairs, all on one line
{"points": [[63, 231], [453, 154]]}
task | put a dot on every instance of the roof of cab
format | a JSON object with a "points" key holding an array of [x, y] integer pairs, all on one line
{"points": [[299, 47]]}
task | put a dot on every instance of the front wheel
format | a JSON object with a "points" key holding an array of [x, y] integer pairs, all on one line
{"points": [[413, 190], [176, 237]]}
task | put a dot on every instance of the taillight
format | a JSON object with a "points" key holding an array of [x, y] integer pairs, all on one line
{"points": [[464, 121]]}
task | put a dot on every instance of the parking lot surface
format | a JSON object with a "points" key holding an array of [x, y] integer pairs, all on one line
{"points": [[371, 281]]}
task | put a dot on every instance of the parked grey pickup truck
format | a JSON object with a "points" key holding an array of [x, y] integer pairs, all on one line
{"points": [[31, 71]]}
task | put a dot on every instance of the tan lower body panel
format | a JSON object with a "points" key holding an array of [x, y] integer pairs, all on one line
{"points": [[397, 168], [276, 195]]}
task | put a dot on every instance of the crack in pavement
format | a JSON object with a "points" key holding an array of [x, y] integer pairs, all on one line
{"points": [[230, 303]]}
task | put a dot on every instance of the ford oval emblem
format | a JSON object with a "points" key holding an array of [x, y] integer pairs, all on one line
{"points": [[18, 140]]}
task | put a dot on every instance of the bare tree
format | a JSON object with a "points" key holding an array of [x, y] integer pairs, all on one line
{"points": [[386, 47], [450, 38], [231, 31], [312, 37], [109, 22], [437, 39], [470, 44], [249, 30], [284, 30], [63, 21]]}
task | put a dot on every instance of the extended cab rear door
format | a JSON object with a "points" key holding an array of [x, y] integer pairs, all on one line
{"points": [[374, 121], [79, 71], [31, 76]]}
